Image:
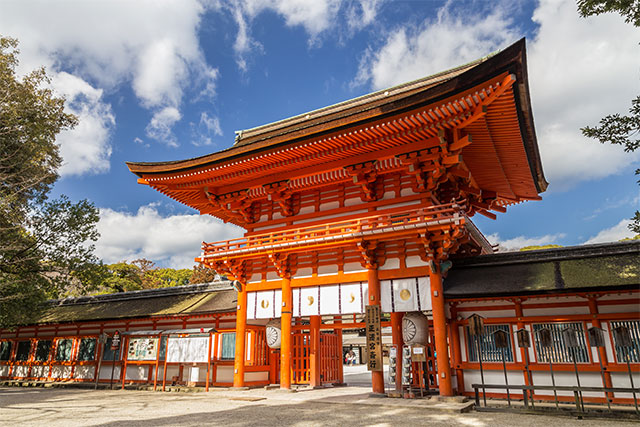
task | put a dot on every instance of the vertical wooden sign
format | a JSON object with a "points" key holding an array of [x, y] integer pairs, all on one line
{"points": [[374, 338]]}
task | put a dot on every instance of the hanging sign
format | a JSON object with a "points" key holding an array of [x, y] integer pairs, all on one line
{"points": [[374, 338], [115, 341]]}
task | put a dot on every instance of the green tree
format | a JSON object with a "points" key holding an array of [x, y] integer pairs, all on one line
{"points": [[536, 247], [202, 274], [615, 128], [43, 249]]}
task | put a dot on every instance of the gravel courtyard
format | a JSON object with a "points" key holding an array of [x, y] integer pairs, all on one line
{"points": [[347, 406]]}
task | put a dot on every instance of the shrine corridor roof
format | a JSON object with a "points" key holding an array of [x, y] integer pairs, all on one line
{"points": [[607, 266]]}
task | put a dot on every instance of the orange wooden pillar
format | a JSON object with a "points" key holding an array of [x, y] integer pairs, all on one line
{"points": [[440, 332], [241, 326], [338, 332], [377, 377], [396, 337], [456, 350], [602, 352], [314, 357], [285, 329]]}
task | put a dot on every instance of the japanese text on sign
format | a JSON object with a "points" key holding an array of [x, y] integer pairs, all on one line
{"points": [[374, 338]]}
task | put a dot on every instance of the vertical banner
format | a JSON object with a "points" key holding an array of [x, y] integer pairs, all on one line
{"points": [[374, 338]]}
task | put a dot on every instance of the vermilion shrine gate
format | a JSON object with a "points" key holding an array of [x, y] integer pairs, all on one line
{"points": [[363, 202]]}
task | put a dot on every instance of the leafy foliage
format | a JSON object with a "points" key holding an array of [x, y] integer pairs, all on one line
{"points": [[43, 249], [138, 275], [536, 247], [615, 128], [628, 9]]}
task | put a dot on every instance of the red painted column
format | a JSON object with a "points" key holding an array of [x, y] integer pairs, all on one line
{"points": [[377, 377], [241, 327], [314, 357], [338, 331], [285, 329], [456, 350], [396, 336], [440, 332]]}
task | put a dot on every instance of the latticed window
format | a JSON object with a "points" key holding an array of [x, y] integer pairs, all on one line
{"points": [[43, 348], [228, 346], [87, 349], [559, 351], [63, 350], [490, 352], [23, 350], [634, 331]]}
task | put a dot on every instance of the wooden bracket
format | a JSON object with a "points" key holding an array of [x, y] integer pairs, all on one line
{"points": [[365, 175], [235, 205], [233, 268], [368, 257], [282, 264], [280, 193]]}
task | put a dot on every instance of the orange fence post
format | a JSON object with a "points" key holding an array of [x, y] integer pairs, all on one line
{"points": [[314, 357], [440, 332], [285, 329], [241, 326]]}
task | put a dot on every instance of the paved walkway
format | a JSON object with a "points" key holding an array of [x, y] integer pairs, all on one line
{"points": [[348, 406]]}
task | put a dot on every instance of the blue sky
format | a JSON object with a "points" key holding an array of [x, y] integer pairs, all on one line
{"points": [[159, 80]]}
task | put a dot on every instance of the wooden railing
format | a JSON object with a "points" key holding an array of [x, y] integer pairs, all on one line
{"points": [[432, 217]]}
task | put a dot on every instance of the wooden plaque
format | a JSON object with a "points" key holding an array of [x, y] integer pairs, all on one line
{"points": [[374, 338]]}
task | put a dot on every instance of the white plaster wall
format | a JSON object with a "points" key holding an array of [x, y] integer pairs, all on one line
{"points": [[60, 371], [256, 376], [137, 372], [225, 374], [621, 379], [554, 311], [4, 370], [325, 270], [20, 371], [626, 308], [84, 372], [492, 377], [303, 272], [353, 267], [105, 372], [390, 264], [39, 371], [414, 261]]}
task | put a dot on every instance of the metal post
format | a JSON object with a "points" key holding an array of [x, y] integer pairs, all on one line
{"points": [[575, 367], [553, 380], [476, 328], [500, 340]]}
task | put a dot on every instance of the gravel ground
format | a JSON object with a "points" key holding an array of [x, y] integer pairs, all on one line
{"points": [[79, 407]]}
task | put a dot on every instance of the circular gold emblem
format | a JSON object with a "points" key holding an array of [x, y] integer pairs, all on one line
{"points": [[310, 298], [264, 303], [405, 294]]}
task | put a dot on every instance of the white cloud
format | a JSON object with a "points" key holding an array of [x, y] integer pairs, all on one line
{"points": [[161, 124], [516, 243], [151, 44], [148, 234], [579, 71], [86, 148], [452, 38], [316, 17], [203, 131], [617, 232]]}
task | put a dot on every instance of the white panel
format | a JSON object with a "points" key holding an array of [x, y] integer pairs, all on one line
{"points": [[295, 297], [385, 296], [60, 371], [4, 370], [306, 210], [329, 300], [278, 303], [353, 267], [194, 374], [304, 272], [20, 371], [630, 308], [327, 269], [251, 305], [256, 376], [406, 192], [463, 344], [621, 379], [390, 264], [37, 371], [414, 261], [84, 372], [329, 206], [353, 201], [105, 373], [553, 311], [255, 278], [351, 298], [424, 284], [224, 374], [272, 275], [137, 372], [309, 301]]}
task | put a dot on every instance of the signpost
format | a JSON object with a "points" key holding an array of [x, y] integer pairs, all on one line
{"points": [[115, 346], [374, 338], [102, 339]]}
